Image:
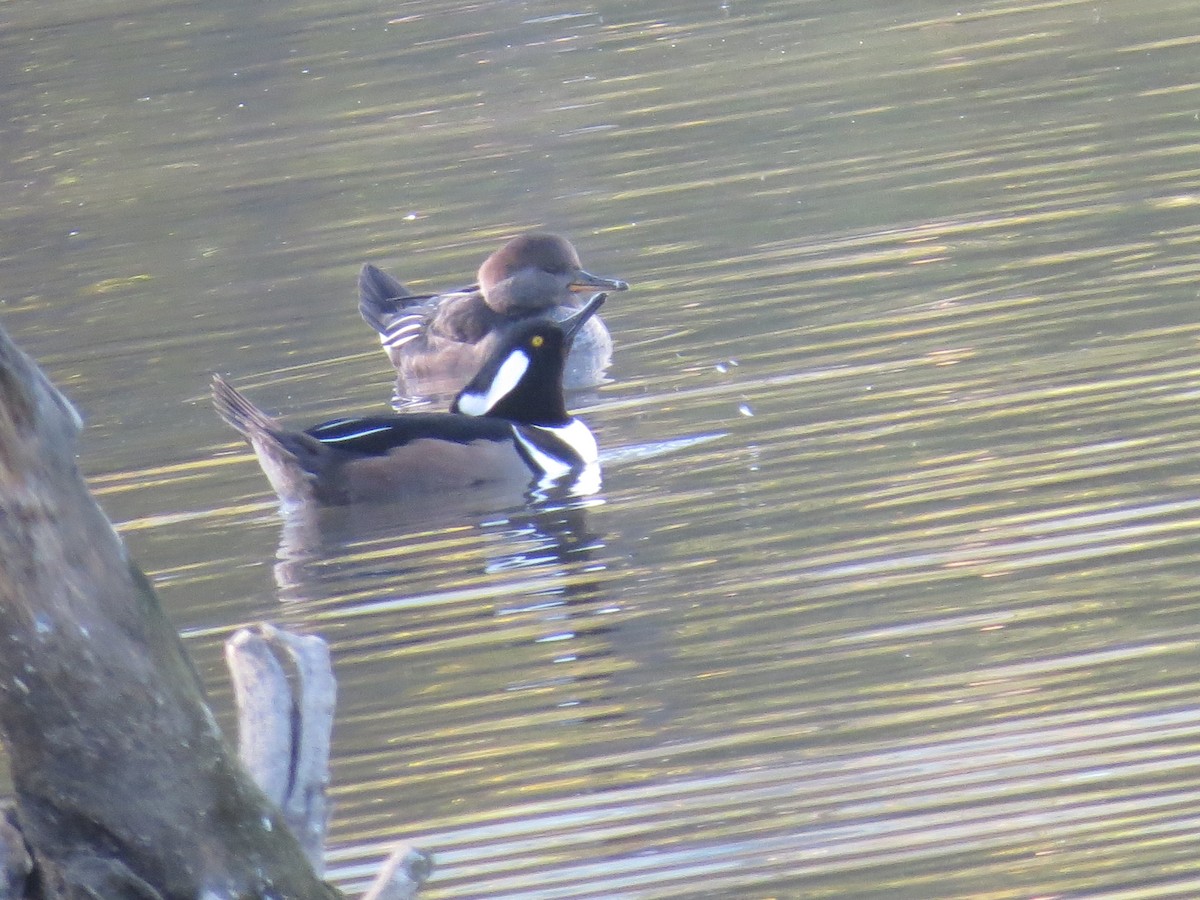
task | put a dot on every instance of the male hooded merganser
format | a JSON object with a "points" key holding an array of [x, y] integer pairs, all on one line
{"points": [[510, 423], [437, 341]]}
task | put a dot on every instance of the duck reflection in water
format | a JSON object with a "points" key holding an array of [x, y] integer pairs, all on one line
{"points": [[421, 533], [529, 583]]}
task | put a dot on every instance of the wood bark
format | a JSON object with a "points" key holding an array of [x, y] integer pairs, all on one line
{"points": [[124, 785]]}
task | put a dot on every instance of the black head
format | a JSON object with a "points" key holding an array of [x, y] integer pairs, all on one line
{"points": [[522, 380]]}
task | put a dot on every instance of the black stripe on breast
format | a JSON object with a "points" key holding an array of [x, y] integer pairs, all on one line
{"points": [[546, 442]]}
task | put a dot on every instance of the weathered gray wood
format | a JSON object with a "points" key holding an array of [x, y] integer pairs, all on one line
{"points": [[403, 874], [124, 787], [264, 707], [15, 864], [285, 693]]}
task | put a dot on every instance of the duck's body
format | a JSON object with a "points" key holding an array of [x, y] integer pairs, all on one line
{"points": [[437, 341], [510, 424]]}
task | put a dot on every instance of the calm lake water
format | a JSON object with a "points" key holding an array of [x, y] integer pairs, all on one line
{"points": [[922, 620]]}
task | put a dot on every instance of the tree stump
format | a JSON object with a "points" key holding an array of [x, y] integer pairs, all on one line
{"points": [[124, 785]]}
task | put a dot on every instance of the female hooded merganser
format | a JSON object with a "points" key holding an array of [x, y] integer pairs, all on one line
{"points": [[510, 423], [437, 341]]}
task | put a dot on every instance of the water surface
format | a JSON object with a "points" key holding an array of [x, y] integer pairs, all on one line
{"points": [[921, 622]]}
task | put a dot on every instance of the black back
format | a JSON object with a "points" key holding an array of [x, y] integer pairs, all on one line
{"points": [[378, 435]]}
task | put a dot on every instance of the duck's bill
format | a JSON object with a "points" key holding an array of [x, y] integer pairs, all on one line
{"points": [[586, 281], [571, 326]]}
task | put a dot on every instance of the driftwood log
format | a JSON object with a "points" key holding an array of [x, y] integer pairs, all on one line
{"points": [[124, 784], [285, 694]]}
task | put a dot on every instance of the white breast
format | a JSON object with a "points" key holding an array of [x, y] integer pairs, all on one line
{"points": [[575, 437], [579, 438]]}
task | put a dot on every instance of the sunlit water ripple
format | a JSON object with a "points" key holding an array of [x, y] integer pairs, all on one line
{"points": [[890, 588]]}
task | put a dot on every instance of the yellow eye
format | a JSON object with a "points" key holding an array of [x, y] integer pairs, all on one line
{"points": [[536, 341]]}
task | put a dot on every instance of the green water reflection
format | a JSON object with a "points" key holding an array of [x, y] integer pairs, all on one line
{"points": [[922, 623]]}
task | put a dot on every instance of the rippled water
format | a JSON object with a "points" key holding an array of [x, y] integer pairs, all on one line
{"points": [[917, 617]]}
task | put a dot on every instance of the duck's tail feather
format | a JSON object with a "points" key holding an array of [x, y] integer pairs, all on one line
{"points": [[238, 412], [291, 460], [379, 297]]}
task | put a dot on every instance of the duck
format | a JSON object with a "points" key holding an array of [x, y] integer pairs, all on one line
{"points": [[508, 424], [436, 342]]}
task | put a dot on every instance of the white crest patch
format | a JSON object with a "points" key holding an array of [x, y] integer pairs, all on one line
{"points": [[508, 376]]}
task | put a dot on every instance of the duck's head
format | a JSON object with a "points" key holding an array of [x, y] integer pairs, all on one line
{"points": [[522, 380], [535, 272]]}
